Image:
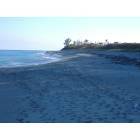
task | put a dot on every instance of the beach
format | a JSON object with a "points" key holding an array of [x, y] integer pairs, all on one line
{"points": [[85, 86]]}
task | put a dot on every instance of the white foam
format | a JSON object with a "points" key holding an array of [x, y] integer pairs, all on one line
{"points": [[84, 54]]}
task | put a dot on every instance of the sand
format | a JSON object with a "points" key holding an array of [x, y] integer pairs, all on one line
{"points": [[86, 86]]}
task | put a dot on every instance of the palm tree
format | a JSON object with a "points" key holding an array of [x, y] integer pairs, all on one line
{"points": [[67, 42]]}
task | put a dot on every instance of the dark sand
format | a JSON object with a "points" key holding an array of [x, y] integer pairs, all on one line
{"points": [[86, 86]]}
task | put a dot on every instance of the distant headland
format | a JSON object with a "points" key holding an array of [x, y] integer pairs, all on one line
{"points": [[69, 44]]}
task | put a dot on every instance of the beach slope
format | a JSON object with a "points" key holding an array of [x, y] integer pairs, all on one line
{"points": [[87, 86]]}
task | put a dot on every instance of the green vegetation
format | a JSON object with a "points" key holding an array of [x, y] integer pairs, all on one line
{"points": [[68, 44]]}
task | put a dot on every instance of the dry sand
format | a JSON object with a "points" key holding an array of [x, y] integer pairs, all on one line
{"points": [[86, 86]]}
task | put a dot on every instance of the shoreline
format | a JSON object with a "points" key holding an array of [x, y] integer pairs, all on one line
{"points": [[94, 51], [38, 66]]}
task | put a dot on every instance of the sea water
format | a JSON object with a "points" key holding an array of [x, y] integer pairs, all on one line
{"points": [[16, 58]]}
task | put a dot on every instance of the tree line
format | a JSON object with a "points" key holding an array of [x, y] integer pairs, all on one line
{"points": [[69, 44]]}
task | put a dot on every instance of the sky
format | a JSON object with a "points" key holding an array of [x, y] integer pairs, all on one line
{"points": [[49, 33]]}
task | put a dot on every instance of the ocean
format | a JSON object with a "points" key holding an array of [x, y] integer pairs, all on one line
{"points": [[17, 58]]}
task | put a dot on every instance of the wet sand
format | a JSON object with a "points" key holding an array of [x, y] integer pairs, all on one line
{"points": [[86, 86]]}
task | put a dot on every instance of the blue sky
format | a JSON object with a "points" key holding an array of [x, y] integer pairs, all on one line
{"points": [[49, 33]]}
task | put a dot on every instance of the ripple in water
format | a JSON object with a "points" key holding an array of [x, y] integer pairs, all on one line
{"points": [[26, 58]]}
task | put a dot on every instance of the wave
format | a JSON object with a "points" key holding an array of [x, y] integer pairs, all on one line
{"points": [[27, 58]]}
